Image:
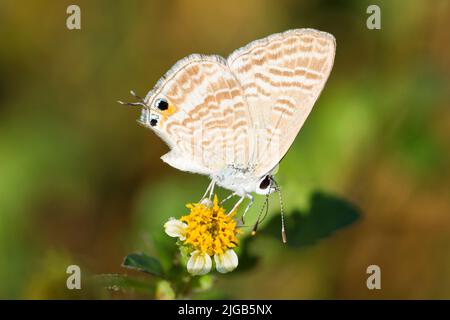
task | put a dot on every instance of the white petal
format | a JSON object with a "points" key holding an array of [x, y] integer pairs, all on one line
{"points": [[175, 228], [199, 263], [226, 262]]}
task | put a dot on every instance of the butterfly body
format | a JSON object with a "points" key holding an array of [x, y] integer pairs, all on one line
{"points": [[234, 119], [241, 181]]}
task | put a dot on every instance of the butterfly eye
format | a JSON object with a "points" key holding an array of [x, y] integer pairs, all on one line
{"points": [[265, 183], [162, 104]]}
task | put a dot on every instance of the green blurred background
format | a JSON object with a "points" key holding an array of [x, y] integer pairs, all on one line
{"points": [[82, 183]]}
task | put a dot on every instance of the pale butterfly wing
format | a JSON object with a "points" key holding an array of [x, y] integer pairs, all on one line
{"points": [[282, 76], [244, 111], [207, 121]]}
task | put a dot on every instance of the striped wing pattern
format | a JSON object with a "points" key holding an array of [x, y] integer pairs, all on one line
{"points": [[245, 110], [282, 77], [207, 124]]}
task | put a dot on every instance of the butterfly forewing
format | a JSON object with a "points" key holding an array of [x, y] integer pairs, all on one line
{"points": [[281, 76]]}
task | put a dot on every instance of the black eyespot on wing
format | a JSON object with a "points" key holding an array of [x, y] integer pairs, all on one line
{"points": [[265, 183], [153, 122], [162, 104]]}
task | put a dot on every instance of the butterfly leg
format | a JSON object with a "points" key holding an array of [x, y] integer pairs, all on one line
{"points": [[228, 198], [212, 189], [237, 205], [209, 190], [248, 207]]}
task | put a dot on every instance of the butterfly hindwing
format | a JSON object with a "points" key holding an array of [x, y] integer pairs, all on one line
{"points": [[206, 122]]}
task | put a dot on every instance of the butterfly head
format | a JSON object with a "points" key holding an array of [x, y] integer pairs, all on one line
{"points": [[154, 110], [265, 185], [158, 110]]}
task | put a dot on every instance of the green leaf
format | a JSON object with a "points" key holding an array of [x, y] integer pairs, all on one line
{"points": [[144, 263], [117, 282], [326, 215]]}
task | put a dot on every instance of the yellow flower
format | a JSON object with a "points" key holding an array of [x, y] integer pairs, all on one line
{"points": [[210, 232]]}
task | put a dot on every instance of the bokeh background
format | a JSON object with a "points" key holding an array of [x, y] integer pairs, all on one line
{"points": [[82, 183]]}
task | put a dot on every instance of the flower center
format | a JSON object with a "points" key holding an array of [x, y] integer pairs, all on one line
{"points": [[210, 230]]}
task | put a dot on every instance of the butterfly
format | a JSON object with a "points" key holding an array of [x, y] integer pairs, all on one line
{"points": [[233, 119]]}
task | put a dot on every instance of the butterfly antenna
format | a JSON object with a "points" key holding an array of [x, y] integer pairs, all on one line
{"points": [[140, 103], [283, 229], [135, 95], [259, 220]]}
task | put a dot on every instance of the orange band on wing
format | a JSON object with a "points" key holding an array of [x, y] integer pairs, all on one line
{"points": [[168, 112]]}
